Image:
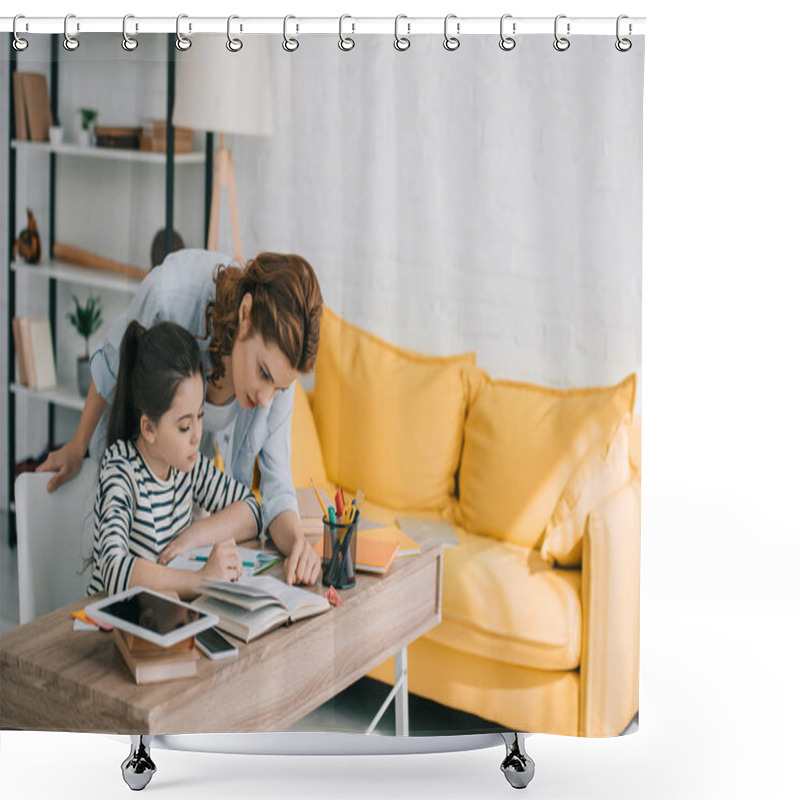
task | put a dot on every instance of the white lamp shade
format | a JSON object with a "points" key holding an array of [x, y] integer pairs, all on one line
{"points": [[216, 90]]}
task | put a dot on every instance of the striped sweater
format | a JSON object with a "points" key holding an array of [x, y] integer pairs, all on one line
{"points": [[138, 515]]}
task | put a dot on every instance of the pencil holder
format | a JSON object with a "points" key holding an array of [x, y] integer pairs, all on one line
{"points": [[339, 554]]}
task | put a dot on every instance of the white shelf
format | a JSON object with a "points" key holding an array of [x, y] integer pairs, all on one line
{"points": [[65, 394], [108, 153], [85, 276]]}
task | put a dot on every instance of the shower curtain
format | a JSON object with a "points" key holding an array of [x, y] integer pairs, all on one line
{"points": [[474, 220]]}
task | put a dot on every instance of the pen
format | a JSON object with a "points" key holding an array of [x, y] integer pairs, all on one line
{"points": [[265, 566], [331, 515], [319, 496], [244, 563]]}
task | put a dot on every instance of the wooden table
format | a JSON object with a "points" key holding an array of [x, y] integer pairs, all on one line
{"points": [[54, 679]]}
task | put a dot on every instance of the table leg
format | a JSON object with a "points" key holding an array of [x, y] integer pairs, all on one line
{"points": [[399, 694], [401, 698]]}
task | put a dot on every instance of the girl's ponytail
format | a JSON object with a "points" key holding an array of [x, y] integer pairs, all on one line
{"points": [[123, 421]]}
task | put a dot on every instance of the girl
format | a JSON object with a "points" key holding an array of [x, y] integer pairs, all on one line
{"points": [[153, 472], [258, 327]]}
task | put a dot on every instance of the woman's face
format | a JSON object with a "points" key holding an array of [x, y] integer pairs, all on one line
{"points": [[259, 369]]}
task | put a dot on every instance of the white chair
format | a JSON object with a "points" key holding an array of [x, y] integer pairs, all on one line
{"points": [[54, 538]]}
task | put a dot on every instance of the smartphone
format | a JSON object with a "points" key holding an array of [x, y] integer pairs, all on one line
{"points": [[214, 645]]}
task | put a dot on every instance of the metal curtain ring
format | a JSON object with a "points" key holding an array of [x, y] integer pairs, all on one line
{"points": [[289, 44], [623, 45], [561, 43], [129, 43], [70, 42], [233, 44], [182, 43], [401, 42], [346, 43], [20, 44], [507, 42], [451, 42]]}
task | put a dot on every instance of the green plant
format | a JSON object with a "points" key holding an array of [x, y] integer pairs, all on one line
{"points": [[86, 319], [88, 116]]}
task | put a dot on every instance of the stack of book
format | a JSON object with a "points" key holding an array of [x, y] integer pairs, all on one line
{"points": [[154, 137], [150, 663], [33, 345], [32, 114]]}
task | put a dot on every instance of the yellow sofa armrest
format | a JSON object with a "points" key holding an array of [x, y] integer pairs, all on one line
{"points": [[609, 671]]}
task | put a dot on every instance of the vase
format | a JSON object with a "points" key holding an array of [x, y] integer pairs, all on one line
{"points": [[84, 375]]}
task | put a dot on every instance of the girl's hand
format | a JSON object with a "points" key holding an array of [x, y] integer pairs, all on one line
{"points": [[182, 543], [224, 563], [303, 564], [65, 462]]}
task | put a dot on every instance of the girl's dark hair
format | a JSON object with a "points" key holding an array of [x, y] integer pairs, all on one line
{"points": [[287, 308], [152, 364]]}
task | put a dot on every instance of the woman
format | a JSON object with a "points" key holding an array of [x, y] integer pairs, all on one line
{"points": [[258, 328]]}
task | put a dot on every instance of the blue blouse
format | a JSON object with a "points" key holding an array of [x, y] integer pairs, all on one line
{"points": [[178, 291]]}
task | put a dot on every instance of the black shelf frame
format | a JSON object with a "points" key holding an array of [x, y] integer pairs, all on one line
{"points": [[169, 227]]}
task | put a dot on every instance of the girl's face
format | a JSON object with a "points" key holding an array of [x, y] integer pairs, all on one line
{"points": [[259, 369], [174, 440]]}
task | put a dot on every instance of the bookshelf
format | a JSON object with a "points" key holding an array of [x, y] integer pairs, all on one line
{"points": [[45, 278]]}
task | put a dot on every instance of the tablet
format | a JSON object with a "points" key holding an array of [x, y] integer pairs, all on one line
{"points": [[151, 616]]}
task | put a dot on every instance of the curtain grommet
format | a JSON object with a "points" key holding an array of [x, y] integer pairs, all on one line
{"points": [[129, 43], [346, 43], [561, 43], [451, 43], [19, 43], [289, 43], [401, 43], [622, 44], [233, 44], [71, 44], [182, 43], [507, 43]]}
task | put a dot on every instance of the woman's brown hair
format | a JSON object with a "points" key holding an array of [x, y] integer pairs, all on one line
{"points": [[287, 308]]}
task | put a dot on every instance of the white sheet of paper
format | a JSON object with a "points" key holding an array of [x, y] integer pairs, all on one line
{"points": [[184, 561]]}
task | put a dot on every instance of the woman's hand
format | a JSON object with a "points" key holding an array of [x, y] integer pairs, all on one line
{"points": [[302, 565], [182, 543], [65, 462], [224, 563]]}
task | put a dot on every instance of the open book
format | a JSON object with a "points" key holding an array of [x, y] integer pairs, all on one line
{"points": [[255, 605]]}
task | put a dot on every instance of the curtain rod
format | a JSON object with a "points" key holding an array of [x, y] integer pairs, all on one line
{"points": [[408, 26]]}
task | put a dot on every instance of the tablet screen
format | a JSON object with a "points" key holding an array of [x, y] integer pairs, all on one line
{"points": [[157, 614]]}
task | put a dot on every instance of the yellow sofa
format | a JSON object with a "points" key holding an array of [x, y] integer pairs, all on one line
{"points": [[540, 599]]}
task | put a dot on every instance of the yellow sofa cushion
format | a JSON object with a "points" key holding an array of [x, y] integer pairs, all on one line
{"points": [[603, 471], [390, 420], [307, 459], [501, 601], [522, 443]]}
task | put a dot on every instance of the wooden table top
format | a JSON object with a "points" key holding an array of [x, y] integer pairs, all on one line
{"points": [[52, 678]]}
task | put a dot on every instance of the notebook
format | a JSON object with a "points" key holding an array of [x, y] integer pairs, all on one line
{"points": [[372, 554], [256, 605], [406, 545]]}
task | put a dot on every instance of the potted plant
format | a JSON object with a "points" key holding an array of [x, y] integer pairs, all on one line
{"points": [[86, 319], [88, 117]]}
